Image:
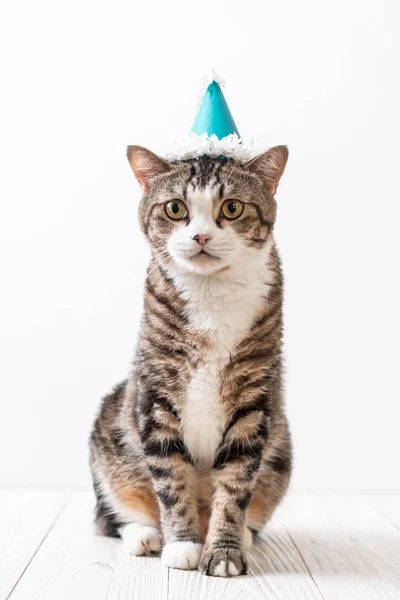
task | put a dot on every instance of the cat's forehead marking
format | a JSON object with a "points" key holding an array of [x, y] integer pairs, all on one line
{"points": [[202, 197]]}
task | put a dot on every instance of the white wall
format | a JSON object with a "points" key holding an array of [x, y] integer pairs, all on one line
{"points": [[80, 81]]}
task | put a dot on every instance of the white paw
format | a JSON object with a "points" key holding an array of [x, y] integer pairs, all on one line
{"points": [[182, 555], [223, 562], [247, 539], [141, 539], [220, 570]]}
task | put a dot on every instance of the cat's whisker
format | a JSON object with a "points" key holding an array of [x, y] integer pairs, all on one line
{"points": [[159, 264], [250, 252]]}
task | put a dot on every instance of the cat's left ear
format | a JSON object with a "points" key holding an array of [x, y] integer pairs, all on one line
{"points": [[146, 165], [270, 166]]}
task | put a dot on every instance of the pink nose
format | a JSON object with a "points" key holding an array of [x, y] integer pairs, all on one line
{"points": [[202, 238]]}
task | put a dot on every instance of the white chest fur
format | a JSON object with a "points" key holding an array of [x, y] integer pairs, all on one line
{"points": [[224, 306]]}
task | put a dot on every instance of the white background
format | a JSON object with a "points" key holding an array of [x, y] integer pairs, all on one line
{"points": [[82, 79]]}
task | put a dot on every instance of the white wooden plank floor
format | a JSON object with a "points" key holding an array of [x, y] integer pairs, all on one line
{"points": [[335, 547]]}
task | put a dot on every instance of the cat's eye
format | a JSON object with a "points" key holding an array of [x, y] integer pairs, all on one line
{"points": [[232, 209], [175, 209]]}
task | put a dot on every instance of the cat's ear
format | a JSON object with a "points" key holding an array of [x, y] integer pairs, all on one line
{"points": [[146, 165], [270, 166]]}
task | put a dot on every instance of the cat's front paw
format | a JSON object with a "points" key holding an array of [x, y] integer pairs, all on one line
{"points": [[182, 555], [140, 539], [223, 562]]}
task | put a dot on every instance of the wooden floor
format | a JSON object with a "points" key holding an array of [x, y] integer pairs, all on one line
{"points": [[317, 547]]}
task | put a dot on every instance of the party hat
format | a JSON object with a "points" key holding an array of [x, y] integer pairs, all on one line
{"points": [[214, 116], [214, 132]]}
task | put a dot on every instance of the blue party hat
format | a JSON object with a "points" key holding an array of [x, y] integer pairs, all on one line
{"points": [[214, 132], [214, 116]]}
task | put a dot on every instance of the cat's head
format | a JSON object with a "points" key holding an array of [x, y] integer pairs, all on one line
{"points": [[207, 214]]}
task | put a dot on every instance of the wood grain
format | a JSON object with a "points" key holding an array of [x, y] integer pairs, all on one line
{"points": [[25, 519], [75, 564], [334, 547], [351, 551]]}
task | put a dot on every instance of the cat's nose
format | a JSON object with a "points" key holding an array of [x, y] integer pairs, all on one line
{"points": [[202, 238]]}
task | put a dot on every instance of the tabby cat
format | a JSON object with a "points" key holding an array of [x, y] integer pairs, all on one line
{"points": [[193, 451]]}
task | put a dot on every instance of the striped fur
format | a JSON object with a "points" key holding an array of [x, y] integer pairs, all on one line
{"points": [[195, 444]]}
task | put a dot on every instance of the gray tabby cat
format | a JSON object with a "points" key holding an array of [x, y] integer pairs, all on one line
{"points": [[193, 450]]}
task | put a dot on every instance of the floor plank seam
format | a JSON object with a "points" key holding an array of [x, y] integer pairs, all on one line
{"points": [[168, 594], [304, 563], [260, 587], [63, 507]]}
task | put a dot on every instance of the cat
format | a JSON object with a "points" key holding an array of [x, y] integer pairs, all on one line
{"points": [[193, 450]]}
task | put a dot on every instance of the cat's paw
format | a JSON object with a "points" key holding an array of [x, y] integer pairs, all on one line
{"points": [[141, 539], [182, 555], [223, 562]]}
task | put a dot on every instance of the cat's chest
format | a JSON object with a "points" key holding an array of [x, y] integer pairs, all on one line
{"points": [[226, 318], [203, 418]]}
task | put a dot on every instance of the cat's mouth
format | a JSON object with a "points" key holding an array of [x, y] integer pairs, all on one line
{"points": [[203, 255]]}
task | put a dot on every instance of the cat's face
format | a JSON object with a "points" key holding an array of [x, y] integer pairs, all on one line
{"points": [[207, 215]]}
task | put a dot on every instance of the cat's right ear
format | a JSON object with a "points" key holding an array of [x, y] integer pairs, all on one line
{"points": [[270, 166], [146, 165]]}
